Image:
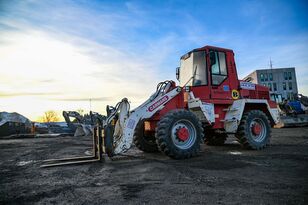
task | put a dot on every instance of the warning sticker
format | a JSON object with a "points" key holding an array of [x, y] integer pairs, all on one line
{"points": [[131, 123], [235, 94]]}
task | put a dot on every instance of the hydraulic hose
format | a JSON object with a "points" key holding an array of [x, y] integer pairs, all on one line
{"points": [[161, 87]]}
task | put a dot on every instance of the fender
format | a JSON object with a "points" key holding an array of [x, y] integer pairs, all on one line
{"points": [[235, 112], [204, 111]]}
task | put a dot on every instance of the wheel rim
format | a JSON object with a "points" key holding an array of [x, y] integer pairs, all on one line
{"points": [[258, 129], [183, 134]]}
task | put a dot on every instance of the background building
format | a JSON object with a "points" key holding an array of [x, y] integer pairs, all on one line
{"points": [[281, 81]]}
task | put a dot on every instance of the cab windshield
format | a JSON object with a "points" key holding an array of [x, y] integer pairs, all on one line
{"points": [[194, 62]]}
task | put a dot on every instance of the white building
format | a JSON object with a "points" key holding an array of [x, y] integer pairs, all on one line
{"points": [[281, 81]]}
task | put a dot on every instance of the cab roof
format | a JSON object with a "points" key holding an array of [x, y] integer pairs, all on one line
{"points": [[207, 47]]}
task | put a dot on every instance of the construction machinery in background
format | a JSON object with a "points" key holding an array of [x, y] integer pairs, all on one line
{"points": [[209, 103], [294, 113], [82, 124], [299, 105]]}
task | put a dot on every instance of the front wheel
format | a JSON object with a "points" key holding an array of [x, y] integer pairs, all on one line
{"points": [[179, 134], [142, 141], [254, 131]]}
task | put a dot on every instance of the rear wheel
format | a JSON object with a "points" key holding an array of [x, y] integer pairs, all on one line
{"points": [[179, 134], [215, 139], [254, 130], [146, 143]]}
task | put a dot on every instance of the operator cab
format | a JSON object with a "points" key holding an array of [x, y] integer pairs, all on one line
{"points": [[210, 68]]}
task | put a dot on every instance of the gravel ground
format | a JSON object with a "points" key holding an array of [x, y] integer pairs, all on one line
{"points": [[220, 175]]}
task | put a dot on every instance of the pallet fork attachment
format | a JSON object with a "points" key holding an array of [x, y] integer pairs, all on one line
{"points": [[97, 152]]}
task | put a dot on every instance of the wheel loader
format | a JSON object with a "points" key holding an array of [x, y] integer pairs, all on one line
{"points": [[209, 103]]}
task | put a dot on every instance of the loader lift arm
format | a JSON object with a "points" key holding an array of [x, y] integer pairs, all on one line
{"points": [[127, 121]]}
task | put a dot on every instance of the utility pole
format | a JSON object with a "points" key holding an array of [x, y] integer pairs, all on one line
{"points": [[90, 104]]}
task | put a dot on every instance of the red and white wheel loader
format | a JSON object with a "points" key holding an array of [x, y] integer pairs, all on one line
{"points": [[209, 103]]}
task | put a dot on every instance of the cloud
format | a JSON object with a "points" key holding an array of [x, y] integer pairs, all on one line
{"points": [[47, 81], [67, 59], [84, 99], [11, 94]]}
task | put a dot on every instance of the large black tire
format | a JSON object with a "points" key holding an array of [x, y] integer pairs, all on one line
{"points": [[170, 127], [146, 143], [215, 139], [108, 138], [246, 134]]}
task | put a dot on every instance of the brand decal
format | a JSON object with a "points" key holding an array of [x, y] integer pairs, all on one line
{"points": [[158, 103]]}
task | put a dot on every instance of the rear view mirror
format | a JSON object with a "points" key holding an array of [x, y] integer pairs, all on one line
{"points": [[212, 58], [177, 73]]}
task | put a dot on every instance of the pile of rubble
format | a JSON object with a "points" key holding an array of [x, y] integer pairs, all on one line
{"points": [[14, 123]]}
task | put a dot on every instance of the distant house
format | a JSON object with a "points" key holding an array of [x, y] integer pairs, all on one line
{"points": [[280, 81]]}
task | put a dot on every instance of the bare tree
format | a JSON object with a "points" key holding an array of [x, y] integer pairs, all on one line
{"points": [[50, 116]]}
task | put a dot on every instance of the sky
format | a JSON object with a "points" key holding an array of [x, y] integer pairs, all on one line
{"points": [[57, 55]]}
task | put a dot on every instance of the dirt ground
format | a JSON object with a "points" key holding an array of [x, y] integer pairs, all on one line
{"points": [[220, 175]]}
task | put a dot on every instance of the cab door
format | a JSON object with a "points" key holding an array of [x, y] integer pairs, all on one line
{"points": [[219, 78]]}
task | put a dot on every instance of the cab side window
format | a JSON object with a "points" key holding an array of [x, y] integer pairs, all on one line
{"points": [[218, 67]]}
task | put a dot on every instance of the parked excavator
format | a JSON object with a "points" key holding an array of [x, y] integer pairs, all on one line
{"points": [[82, 125], [209, 103]]}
